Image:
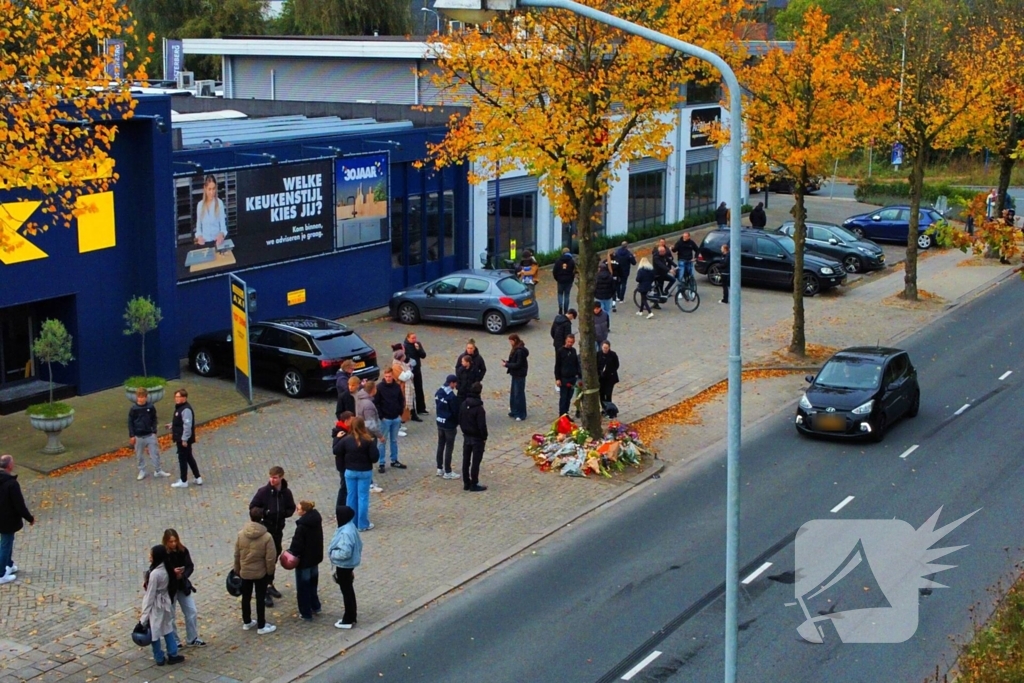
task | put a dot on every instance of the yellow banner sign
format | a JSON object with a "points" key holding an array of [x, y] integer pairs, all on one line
{"points": [[297, 296]]}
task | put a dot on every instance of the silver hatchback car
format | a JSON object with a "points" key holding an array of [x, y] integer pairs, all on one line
{"points": [[492, 298]]}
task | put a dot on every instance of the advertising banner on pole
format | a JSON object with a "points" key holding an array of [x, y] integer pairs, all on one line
{"points": [[174, 58], [361, 199], [240, 336], [114, 58]]}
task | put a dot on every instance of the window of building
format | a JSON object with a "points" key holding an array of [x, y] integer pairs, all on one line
{"points": [[703, 93], [513, 219], [440, 225], [448, 223], [646, 199], [700, 187], [397, 231], [414, 234]]}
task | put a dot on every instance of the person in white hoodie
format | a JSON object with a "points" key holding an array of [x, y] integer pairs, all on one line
{"points": [[345, 552]]}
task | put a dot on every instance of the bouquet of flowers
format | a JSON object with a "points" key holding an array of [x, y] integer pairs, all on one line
{"points": [[572, 450]]}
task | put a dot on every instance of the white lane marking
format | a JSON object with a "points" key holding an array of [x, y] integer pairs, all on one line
{"points": [[757, 572], [639, 667], [1006, 374], [963, 408], [846, 501], [909, 451]]}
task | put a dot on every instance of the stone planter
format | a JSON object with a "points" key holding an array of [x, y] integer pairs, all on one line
{"points": [[155, 394], [52, 427]]}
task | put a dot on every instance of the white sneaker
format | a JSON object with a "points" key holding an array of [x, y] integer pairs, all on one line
{"points": [[452, 475], [440, 473], [179, 485], [199, 481], [340, 624], [161, 473], [650, 315], [251, 624], [12, 569], [639, 312], [142, 475], [269, 628], [375, 489], [402, 432], [7, 578]]}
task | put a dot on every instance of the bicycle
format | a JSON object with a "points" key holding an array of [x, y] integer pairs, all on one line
{"points": [[683, 292]]}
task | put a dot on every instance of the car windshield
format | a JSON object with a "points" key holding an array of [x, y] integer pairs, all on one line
{"points": [[787, 243], [850, 373], [512, 286], [843, 234]]}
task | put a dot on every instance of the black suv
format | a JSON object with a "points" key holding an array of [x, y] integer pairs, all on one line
{"points": [[298, 354], [857, 255], [767, 259]]}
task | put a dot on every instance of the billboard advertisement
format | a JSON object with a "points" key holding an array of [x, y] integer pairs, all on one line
{"points": [[361, 199], [232, 220], [174, 58], [114, 51]]}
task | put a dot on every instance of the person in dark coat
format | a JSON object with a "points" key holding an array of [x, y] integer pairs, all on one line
{"points": [[723, 268], [473, 423], [722, 215], [517, 366], [446, 407], [277, 503], [686, 251], [341, 384], [180, 560], [664, 268], [12, 511], [607, 371], [602, 325], [604, 287], [142, 427], [644, 285], [478, 368], [567, 373], [758, 218], [339, 432], [347, 400], [561, 327], [564, 272], [625, 258], [183, 431], [308, 546], [414, 355]]}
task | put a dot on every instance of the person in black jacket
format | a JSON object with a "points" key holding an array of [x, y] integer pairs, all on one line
{"points": [[359, 451], [478, 368], [142, 426], [308, 546], [180, 560], [414, 354], [277, 503], [183, 430], [341, 384], [663, 272], [12, 511], [446, 405], [604, 287], [347, 399], [390, 402], [686, 251], [758, 218], [561, 327], [722, 215], [517, 366], [473, 423], [625, 258], [339, 432], [723, 268], [564, 272], [644, 285], [567, 373], [607, 371]]}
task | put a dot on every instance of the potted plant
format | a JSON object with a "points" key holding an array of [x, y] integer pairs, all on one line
{"points": [[141, 315], [52, 346]]}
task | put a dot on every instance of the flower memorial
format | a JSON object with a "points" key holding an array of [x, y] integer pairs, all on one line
{"points": [[569, 448]]}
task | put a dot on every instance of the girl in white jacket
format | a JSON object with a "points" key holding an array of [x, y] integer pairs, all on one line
{"points": [[157, 609]]}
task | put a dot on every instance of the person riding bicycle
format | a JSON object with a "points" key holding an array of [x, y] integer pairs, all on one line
{"points": [[664, 272], [685, 250]]}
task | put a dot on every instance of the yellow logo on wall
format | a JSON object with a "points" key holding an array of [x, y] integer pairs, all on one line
{"points": [[96, 227]]}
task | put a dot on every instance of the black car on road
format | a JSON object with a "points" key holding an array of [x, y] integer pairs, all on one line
{"points": [[860, 392], [299, 354], [767, 259], [857, 255]]}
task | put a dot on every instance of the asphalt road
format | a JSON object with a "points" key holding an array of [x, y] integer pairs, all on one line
{"points": [[644, 574]]}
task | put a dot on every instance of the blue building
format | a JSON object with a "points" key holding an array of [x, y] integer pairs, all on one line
{"points": [[321, 215]]}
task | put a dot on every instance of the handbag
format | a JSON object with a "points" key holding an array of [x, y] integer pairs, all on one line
{"points": [[406, 414], [141, 635]]}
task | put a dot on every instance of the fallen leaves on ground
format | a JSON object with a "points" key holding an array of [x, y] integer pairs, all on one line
{"points": [[814, 353], [925, 300]]}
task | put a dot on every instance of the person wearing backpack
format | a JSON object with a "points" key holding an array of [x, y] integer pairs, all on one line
{"points": [[345, 552], [446, 410]]}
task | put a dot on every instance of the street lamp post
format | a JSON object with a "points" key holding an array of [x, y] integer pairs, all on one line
{"points": [[903, 66], [481, 11], [437, 18]]}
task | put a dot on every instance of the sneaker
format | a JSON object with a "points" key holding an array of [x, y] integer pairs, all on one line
{"points": [[380, 469], [269, 628], [376, 489], [161, 662], [452, 475], [273, 592], [402, 432], [639, 312], [722, 301], [476, 488], [650, 315], [519, 419], [199, 481], [397, 465], [197, 642], [161, 473], [250, 625], [179, 485], [268, 601], [175, 659], [142, 475], [11, 569], [307, 619], [341, 624], [7, 578], [369, 528], [440, 473]]}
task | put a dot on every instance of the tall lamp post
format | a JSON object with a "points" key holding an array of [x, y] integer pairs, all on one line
{"points": [[482, 11], [437, 18], [898, 159]]}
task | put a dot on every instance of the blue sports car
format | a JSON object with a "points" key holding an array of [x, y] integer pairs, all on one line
{"points": [[892, 223]]}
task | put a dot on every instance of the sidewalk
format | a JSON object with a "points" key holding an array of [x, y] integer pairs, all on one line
{"points": [[69, 615]]}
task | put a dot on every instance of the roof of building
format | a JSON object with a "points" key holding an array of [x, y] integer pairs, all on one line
{"points": [[214, 133]]}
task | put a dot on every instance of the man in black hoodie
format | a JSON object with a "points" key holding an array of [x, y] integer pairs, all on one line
{"points": [[625, 258], [277, 503], [567, 373], [12, 511], [561, 328], [564, 272], [390, 402], [473, 423]]}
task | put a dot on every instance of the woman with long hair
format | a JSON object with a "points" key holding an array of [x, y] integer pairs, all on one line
{"points": [[158, 607], [184, 593], [360, 453], [308, 546], [211, 216], [644, 283], [517, 366]]}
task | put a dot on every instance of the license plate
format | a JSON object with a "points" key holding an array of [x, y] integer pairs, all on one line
{"points": [[361, 364], [527, 302], [830, 423]]}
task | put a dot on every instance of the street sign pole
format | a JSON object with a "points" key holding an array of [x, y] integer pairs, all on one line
{"points": [[240, 336]]}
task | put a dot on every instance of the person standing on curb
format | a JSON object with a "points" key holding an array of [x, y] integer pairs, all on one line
{"points": [[308, 545], [142, 426], [255, 562], [607, 371], [343, 383], [359, 454], [564, 273], [276, 501], [446, 409], [567, 374], [473, 423], [12, 511], [625, 258], [390, 402], [345, 552], [183, 429], [602, 325], [604, 287], [158, 607], [517, 366], [180, 561], [414, 355]]}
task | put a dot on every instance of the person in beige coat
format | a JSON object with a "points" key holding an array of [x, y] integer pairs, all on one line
{"points": [[404, 374], [255, 560], [157, 608]]}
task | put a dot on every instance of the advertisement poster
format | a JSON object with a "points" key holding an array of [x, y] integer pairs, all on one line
{"points": [[114, 51], [247, 217], [240, 337], [361, 199], [701, 122], [174, 58]]}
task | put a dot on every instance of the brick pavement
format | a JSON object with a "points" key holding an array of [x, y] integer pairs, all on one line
{"points": [[80, 587]]}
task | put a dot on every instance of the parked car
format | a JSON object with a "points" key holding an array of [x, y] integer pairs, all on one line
{"points": [[892, 223], [299, 354], [779, 182], [492, 298], [767, 259], [857, 255], [860, 392]]}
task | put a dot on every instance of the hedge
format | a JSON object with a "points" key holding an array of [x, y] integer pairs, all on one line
{"points": [[867, 189]]}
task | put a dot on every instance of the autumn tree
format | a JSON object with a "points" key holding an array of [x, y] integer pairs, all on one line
{"points": [[345, 17], [802, 110], [57, 104], [845, 16], [572, 101]]}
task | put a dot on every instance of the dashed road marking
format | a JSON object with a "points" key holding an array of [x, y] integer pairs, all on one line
{"points": [[639, 667], [963, 408], [909, 451], [1005, 374], [846, 501], [757, 572]]}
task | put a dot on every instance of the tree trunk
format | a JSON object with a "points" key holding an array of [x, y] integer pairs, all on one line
{"points": [[144, 373], [586, 267], [916, 189], [798, 344], [1006, 160]]}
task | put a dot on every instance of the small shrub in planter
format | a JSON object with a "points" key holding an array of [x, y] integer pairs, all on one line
{"points": [[49, 410], [141, 316], [52, 346]]}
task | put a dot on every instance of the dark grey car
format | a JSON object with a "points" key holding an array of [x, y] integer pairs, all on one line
{"points": [[492, 298], [858, 255]]}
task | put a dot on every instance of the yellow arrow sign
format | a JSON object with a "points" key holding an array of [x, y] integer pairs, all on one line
{"points": [[17, 249]]}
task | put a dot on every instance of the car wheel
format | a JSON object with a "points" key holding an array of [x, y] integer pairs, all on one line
{"points": [[811, 284], [294, 383], [852, 264], [408, 313], [880, 426], [494, 322], [715, 275], [203, 364], [859, 233], [915, 404], [924, 241]]}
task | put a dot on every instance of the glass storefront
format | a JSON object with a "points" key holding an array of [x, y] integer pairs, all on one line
{"points": [[511, 218], [646, 199], [700, 187], [15, 345]]}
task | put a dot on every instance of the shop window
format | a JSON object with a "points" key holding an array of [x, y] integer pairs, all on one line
{"points": [[448, 223], [440, 224], [512, 219], [397, 231], [703, 93], [646, 199], [415, 230], [700, 187]]}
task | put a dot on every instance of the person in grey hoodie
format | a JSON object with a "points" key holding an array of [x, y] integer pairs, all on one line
{"points": [[345, 552], [602, 323]]}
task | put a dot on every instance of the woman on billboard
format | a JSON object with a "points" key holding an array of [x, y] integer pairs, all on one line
{"points": [[211, 225]]}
